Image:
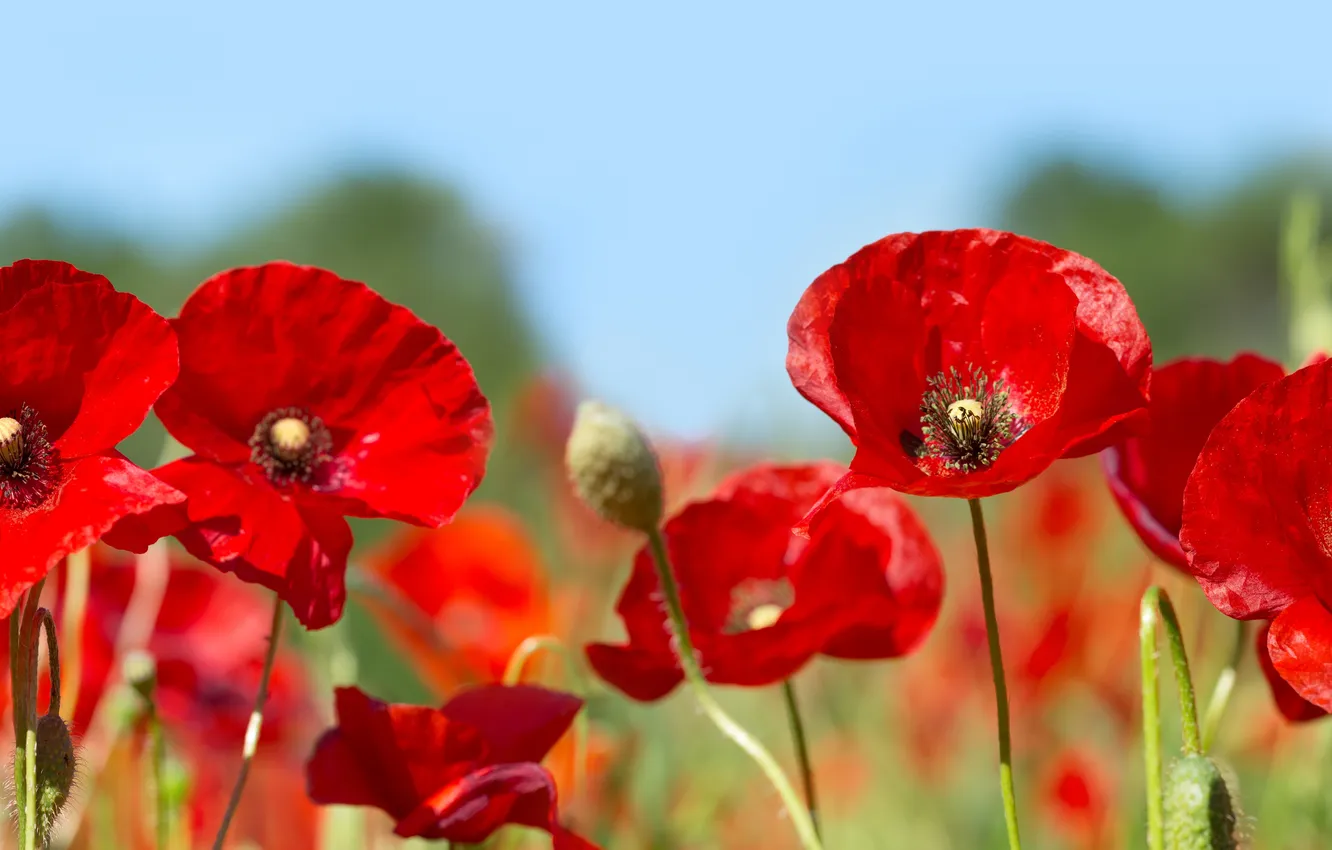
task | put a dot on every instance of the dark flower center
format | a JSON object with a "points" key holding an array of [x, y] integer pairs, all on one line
{"points": [[27, 460], [291, 444], [965, 423], [758, 604]]}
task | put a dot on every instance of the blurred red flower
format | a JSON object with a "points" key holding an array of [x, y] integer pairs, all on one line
{"points": [[1147, 473], [474, 590], [963, 363], [1258, 520], [459, 772], [1078, 798], [83, 365], [307, 398], [760, 601]]}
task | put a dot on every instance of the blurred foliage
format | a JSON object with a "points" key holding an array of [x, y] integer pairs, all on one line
{"points": [[1203, 270]]}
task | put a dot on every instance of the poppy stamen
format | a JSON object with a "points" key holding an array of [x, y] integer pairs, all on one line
{"points": [[291, 444], [758, 604], [27, 460], [966, 423]]}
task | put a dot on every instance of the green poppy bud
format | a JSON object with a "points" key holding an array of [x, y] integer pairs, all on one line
{"points": [[613, 468], [1201, 812]]}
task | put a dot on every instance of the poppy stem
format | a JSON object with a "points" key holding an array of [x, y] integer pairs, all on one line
{"points": [[802, 752], [77, 571], [23, 627], [997, 670], [800, 817], [255, 726], [1151, 720], [1225, 685]]}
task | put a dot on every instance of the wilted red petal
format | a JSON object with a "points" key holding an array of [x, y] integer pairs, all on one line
{"points": [[1257, 507], [1147, 473], [94, 493], [240, 524], [1292, 706], [90, 360], [410, 428]]}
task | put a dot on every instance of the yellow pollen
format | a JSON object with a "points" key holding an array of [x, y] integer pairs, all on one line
{"points": [[11, 442], [764, 616], [965, 408], [289, 437]]}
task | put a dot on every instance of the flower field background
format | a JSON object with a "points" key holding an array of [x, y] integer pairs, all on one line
{"points": [[902, 749]]}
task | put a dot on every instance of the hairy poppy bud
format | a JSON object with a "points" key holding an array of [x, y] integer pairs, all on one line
{"points": [[56, 764], [1201, 813], [613, 467]]}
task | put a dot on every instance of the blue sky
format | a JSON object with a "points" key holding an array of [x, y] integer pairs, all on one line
{"points": [[670, 178]]}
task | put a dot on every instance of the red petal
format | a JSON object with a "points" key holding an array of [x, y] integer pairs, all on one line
{"points": [[240, 524], [94, 492], [470, 809], [1147, 474], [1292, 706], [1257, 507], [397, 754], [519, 722], [410, 426], [1300, 643], [90, 360], [640, 674]]}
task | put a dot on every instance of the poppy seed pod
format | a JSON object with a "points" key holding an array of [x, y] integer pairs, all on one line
{"points": [[613, 468], [56, 764], [1201, 812]]}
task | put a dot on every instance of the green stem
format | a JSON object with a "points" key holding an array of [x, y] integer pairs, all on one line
{"points": [[255, 726], [28, 628], [1225, 685], [802, 752], [1188, 706], [77, 571], [1151, 719], [997, 670], [18, 684], [513, 674], [800, 818]]}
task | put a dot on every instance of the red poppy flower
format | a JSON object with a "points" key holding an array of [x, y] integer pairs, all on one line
{"points": [[762, 602], [1147, 473], [1256, 519], [307, 398], [83, 365], [459, 772], [473, 590], [963, 363], [1077, 796]]}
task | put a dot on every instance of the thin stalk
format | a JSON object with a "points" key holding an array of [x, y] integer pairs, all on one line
{"points": [[802, 752], [1151, 719], [18, 685], [162, 808], [1225, 685], [255, 726], [77, 571], [27, 816], [1188, 705], [997, 670], [800, 819]]}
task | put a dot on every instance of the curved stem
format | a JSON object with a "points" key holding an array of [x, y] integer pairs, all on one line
{"points": [[18, 683], [255, 726], [997, 670], [1188, 706], [1225, 685], [47, 620], [1151, 719], [802, 752], [513, 674], [800, 819], [25, 766]]}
